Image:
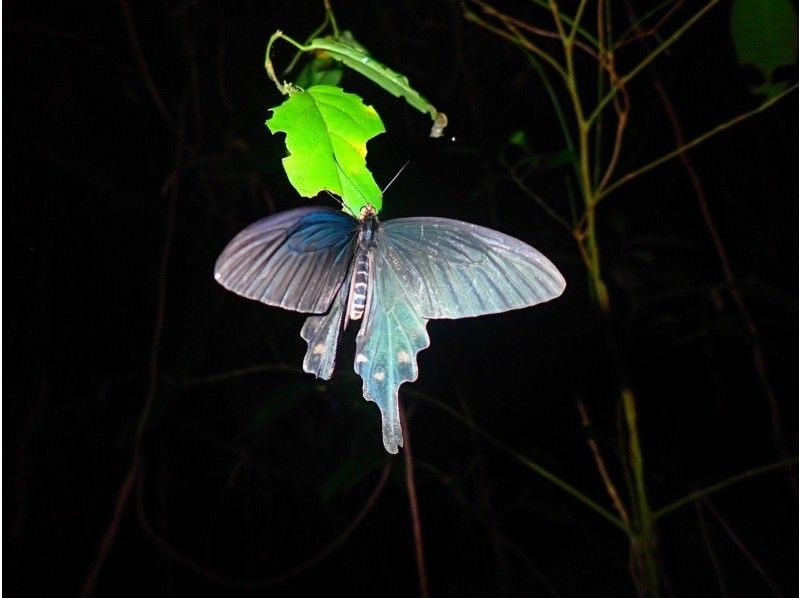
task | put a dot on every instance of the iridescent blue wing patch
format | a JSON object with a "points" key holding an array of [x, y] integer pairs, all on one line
{"points": [[454, 269], [388, 342], [296, 260], [428, 268]]}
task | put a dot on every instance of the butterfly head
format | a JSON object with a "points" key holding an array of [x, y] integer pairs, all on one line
{"points": [[367, 212]]}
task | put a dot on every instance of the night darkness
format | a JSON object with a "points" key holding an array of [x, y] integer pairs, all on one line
{"points": [[253, 478]]}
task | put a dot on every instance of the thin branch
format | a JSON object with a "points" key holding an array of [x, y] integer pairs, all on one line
{"points": [[743, 548], [708, 490], [652, 30], [525, 461], [611, 488], [126, 487], [237, 373], [536, 197], [568, 20], [168, 550], [556, 13], [510, 22], [696, 141], [413, 505], [622, 122], [699, 190], [652, 56], [527, 44], [701, 521], [577, 21], [140, 59]]}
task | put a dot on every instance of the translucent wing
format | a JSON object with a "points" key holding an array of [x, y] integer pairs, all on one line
{"points": [[295, 260], [322, 335], [426, 268], [453, 269], [387, 344]]}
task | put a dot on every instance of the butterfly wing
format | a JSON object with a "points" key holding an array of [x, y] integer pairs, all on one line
{"points": [[296, 260], [454, 269], [387, 344], [426, 268], [321, 332]]}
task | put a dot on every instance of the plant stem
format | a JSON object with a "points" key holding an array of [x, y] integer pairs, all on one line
{"points": [[419, 550], [651, 57], [643, 549], [703, 492], [529, 463], [696, 141]]}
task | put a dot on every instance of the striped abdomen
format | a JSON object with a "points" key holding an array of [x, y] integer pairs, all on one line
{"points": [[358, 290]]}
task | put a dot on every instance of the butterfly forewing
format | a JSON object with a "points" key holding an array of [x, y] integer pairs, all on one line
{"points": [[453, 269], [295, 260]]}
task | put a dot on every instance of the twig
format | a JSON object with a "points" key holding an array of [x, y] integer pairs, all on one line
{"points": [[510, 21], [413, 505], [653, 29], [701, 520], [727, 270], [530, 464], [708, 490], [743, 548], [535, 196], [237, 373], [696, 141], [124, 493], [221, 579], [652, 56], [601, 466], [524, 42], [148, 79]]}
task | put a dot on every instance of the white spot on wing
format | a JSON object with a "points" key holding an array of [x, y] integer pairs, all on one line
{"points": [[403, 357], [379, 376], [361, 358], [319, 349]]}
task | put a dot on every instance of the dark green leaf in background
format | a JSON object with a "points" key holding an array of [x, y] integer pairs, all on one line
{"points": [[765, 36]]}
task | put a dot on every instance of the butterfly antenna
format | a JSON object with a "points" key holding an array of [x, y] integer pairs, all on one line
{"points": [[334, 198], [349, 180], [394, 178]]}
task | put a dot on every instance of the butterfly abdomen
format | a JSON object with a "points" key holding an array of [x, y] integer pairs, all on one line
{"points": [[367, 225], [358, 290]]}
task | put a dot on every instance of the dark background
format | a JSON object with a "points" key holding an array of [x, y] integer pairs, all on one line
{"points": [[248, 476]]}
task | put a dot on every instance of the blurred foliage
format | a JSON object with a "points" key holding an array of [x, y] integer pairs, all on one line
{"points": [[765, 36]]}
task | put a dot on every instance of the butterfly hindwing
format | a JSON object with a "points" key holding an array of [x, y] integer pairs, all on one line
{"points": [[454, 269], [387, 344], [295, 260], [321, 332]]}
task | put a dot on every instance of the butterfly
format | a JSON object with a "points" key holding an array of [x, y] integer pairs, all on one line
{"points": [[394, 276]]}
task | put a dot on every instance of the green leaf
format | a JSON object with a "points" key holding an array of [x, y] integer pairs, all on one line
{"points": [[765, 36], [326, 134], [354, 56], [519, 138], [322, 69]]}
